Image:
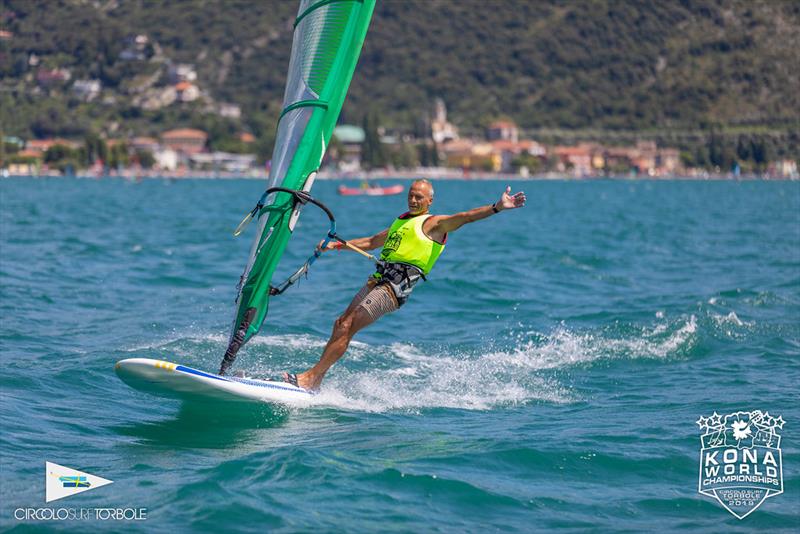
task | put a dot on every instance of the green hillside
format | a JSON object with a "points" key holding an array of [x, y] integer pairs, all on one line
{"points": [[567, 66]]}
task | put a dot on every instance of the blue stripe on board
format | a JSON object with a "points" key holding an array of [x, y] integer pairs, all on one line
{"points": [[240, 380], [269, 385], [200, 373]]}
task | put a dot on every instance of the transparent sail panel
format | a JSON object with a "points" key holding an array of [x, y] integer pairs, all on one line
{"points": [[290, 132], [317, 40]]}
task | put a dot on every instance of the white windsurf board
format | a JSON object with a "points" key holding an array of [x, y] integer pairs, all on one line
{"points": [[167, 379]]}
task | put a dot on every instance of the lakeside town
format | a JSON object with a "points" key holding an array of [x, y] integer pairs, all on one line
{"points": [[184, 152], [436, 148]]}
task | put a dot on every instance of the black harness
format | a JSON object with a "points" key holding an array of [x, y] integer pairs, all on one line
{"points": [[400, 277]]}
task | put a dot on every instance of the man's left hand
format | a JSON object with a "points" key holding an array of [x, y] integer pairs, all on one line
{"points": [[509, 201]]}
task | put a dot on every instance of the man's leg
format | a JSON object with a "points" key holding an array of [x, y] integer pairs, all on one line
{"points": [[360, 314]]}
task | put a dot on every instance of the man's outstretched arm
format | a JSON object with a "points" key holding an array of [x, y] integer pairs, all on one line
{"points": [[442, 224]]}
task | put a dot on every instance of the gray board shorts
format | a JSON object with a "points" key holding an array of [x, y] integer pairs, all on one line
{"points": [[377, 299], [385, 293]]}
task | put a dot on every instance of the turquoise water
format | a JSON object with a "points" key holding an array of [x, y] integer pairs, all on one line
{"points": [[548, 376]]}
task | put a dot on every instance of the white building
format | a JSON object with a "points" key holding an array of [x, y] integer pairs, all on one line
{"points": [[223, 161], [231, 111], [166, 159], [502, 130], [187, 92], [441, 130], [87, 90], [182, 72]]}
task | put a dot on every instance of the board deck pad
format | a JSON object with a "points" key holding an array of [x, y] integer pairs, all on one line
{"points": [[167, 379]]}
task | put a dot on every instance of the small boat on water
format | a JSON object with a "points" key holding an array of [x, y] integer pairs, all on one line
{"points": [[371, 190]]}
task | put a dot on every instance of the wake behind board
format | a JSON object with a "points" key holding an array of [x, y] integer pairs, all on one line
{"points": [[172, 380]]}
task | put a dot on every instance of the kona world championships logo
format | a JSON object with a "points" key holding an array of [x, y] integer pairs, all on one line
{"points": [[740, 459]]}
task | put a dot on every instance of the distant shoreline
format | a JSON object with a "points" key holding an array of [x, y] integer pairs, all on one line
{"points": [[409, 175]]}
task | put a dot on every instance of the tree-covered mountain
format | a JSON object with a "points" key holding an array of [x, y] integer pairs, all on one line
{"points": [[599, 65]]}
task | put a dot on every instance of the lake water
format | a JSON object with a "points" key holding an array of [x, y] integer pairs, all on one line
{"points": [[547, 377]]}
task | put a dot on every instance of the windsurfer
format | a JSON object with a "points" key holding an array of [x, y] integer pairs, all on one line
{"points": [[411, 246]]}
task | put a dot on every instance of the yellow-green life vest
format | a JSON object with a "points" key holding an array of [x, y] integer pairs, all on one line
{"points": [[407, 243]]}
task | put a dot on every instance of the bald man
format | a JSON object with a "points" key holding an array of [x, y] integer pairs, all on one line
{"points": [[411, 246]]}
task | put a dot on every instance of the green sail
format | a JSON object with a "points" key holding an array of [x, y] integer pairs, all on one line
{"points": [[328, 36]]}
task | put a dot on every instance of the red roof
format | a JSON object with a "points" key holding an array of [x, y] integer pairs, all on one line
{"points": [[185, 133], [572, 151], [502, 124], [144, 141], [506, 145], [527, 144], [28, 153], [42, 145]]}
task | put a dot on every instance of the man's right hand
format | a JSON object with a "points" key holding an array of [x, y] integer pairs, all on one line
{"points": [[330, 246]]}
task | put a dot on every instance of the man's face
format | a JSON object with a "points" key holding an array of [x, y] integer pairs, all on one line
{"points": [[419, 198]]}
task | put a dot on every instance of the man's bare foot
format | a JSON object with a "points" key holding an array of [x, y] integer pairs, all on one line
{"points": [[302, 380]]}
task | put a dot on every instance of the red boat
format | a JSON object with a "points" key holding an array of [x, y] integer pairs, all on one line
{"points": [[371, 190]]}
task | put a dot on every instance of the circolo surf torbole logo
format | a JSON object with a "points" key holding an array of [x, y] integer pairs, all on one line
{"points": [[63, 481], [60, 482], [740, 462]]}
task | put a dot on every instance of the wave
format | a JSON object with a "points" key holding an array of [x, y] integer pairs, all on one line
{"points": [[481, 380], [410, 377]]}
